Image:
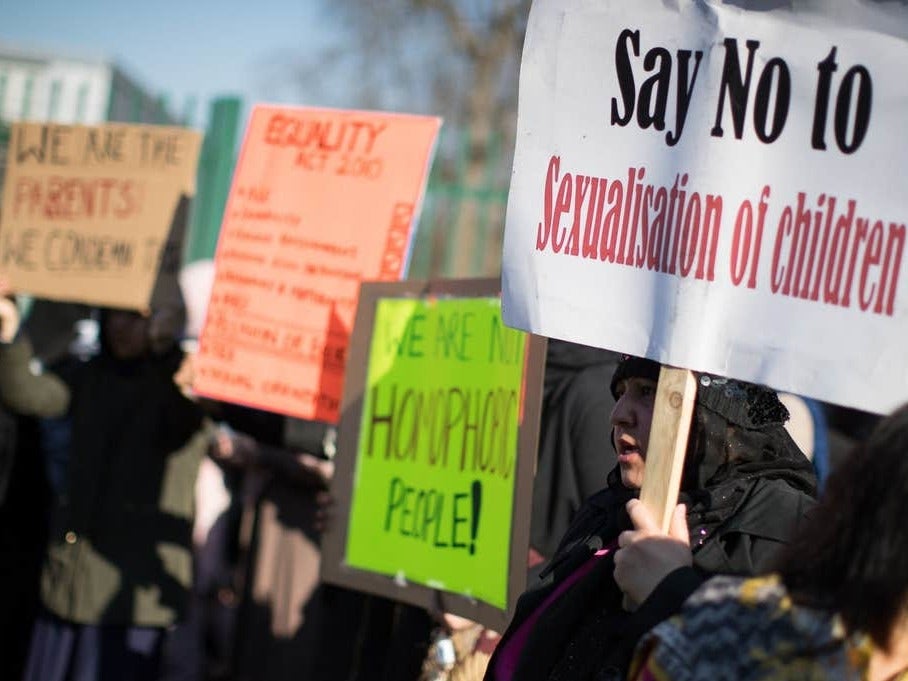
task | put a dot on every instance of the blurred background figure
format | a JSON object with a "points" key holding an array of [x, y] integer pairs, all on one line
{"points": [[284, 463], [575, 453], [65, 337], [255, 535], [118, 567], [808, 428], [27, 395]]}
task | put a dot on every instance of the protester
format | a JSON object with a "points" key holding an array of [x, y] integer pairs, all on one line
{"points": [[746, 487], [255, 541], [23, 390], [283, 472], [27, 394], [291, 625], [837, 606], [118, 567]]}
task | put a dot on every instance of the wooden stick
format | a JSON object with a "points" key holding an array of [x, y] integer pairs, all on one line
{"points": [[667, 444]]}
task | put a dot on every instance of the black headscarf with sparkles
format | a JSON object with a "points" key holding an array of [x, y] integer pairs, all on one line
{"points": [[737, 435]]}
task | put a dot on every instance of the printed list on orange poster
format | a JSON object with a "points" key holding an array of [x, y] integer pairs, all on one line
{"points": [[321, 200]]}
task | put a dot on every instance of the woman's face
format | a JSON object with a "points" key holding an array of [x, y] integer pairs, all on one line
{"points": [[631, 419]]}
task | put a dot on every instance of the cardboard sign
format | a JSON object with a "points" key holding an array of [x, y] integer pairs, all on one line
{"points": [[87, 211], [321, 200], [439, 440], [717, 189]]}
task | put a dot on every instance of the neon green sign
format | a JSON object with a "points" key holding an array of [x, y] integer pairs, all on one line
{"points": [[434, 484]]}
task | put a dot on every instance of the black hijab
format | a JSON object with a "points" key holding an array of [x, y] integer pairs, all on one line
{"points": [[737, 437]]}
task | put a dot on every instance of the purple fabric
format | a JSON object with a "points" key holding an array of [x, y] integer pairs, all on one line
{"points": [[64, 651], [508, 656]]}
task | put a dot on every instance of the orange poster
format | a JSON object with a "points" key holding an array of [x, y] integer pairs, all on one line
{"points": [[321, 200]]}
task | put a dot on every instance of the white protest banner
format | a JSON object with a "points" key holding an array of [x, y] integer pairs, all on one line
{"points": [[717, 189]]}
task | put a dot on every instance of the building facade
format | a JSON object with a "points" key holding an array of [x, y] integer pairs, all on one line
{"points": [[61, 89]]}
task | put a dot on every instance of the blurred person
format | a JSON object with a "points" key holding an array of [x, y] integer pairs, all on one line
{"points": [[118, 566], [65, 336], [255, 543], [287, 625], [809, 429], [196, 279], [836, 606], [256, 555], [198, 646], [361, 637], [745, 488], [283, 471], [290, 624], [574, 454], [24, 389], [27, 395]]}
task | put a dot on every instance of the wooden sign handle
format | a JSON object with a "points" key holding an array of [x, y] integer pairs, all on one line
{"points": [[672, 414]]}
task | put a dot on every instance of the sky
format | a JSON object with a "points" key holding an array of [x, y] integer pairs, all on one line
{"points": [[193, 48]]}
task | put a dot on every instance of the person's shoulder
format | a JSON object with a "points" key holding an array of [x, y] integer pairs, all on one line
{"points": [[783, 487], [589, 516], [713, 634], [785, 498]]}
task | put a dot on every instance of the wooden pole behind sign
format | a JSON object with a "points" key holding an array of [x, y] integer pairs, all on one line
{"points": [[672, 414]]}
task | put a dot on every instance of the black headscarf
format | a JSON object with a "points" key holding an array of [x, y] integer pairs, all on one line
{"points": [[737, 437]]}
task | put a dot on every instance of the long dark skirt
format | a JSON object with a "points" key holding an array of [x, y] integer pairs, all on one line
{"points": [[63, 651]]}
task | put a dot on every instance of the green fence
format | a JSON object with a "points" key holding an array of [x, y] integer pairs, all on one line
{"points": [[462, 221]]}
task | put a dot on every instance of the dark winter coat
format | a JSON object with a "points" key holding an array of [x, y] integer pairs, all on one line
{"points": [[120, 544]]}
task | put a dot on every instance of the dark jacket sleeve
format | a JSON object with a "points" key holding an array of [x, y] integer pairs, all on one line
{"points": [[667, 598], [664, 602], [286, 465], [27, 393]]}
